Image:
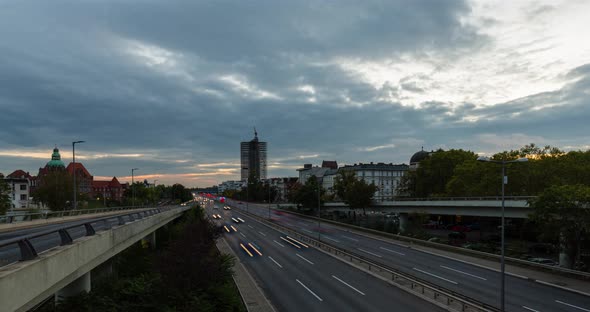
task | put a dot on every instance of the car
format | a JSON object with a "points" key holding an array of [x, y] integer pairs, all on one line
{"points": [[457, 235], [543, 261]]}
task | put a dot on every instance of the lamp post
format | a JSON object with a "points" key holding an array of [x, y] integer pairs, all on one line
{"points": [[319, 213], [269, 199], [75, 203], [132, 187], [503, 246]]}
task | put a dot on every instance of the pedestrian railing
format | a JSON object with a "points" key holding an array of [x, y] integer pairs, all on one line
{"points": [[28, 251], [30, 216]]}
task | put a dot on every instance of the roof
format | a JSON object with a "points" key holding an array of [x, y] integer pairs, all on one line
{"points": [[419, 156], [19, 174], [112, 183], [55, 159], [377, 166], [79, 167], [332, 164]]}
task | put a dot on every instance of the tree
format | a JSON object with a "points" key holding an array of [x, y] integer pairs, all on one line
{"points": [[356, 193], [565, 211], [55, 190], [434, 172], [307, 194], [4, 196]]}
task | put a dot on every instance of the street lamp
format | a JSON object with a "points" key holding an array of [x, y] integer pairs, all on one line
{"points": [[74, 170], [504, 182], [248, 193], [319, 213], [269, 199], [132, 187]]}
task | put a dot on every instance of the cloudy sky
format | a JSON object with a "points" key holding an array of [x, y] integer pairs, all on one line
{"points": [[172, 87]]}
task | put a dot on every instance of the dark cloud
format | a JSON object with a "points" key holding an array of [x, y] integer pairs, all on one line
{"points": [[183, 82]]}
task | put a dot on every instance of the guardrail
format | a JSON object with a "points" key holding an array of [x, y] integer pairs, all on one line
{"points": [[28, 252], [480, 254], [30, 216], [451, 299]]}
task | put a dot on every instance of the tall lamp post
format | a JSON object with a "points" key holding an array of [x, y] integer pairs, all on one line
{"points": [[503, 246], [132, 187], [75, 204], [269, 199], [319, 213]]}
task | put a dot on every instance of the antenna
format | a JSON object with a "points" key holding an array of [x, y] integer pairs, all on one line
{"points": [[255, 133]]}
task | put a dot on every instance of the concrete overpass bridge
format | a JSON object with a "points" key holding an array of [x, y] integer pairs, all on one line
{"points": [[65, 270], [515, 207]]}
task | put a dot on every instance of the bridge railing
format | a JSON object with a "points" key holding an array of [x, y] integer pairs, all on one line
{"points": [[28, 251], [30, 216], [451, 299], [463, 198]]}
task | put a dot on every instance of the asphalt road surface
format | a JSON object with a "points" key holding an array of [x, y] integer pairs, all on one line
{"points": [[297, 278], [473, 281]]}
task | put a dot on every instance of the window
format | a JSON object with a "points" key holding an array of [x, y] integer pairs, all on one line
{"points": [[23, 197], [23, 187]]}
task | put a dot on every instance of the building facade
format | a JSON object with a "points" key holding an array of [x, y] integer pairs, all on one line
{"points": [[19, 183], [230, 185], [253, 159], [386, 177], [83, 177], [110, 190]]}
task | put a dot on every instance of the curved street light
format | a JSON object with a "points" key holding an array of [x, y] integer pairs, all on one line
{"points": [[504, 182], [75, 203]]}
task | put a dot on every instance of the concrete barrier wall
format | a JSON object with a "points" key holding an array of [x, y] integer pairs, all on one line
{"points": [[24, 284]]}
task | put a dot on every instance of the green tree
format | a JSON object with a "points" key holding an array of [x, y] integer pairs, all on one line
{"points": [[307, 194], [434, 172], [4, 196], [55, 190], [356, 193], [565, 211]]}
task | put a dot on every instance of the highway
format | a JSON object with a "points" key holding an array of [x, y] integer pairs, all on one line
{"points": [[296, 278], [473, 281]]}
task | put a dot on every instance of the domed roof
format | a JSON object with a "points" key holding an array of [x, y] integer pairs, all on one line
{"points": [[55, 161], [419, 156]]}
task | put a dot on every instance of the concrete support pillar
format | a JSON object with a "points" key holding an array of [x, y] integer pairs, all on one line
{"points": [[403, 222], [81, 284], [149, 240]]}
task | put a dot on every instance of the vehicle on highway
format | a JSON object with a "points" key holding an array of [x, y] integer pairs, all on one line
{"points": [[457, 235], [235, 220], [544, 261]]}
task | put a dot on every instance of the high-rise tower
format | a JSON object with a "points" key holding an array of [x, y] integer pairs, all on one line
{"points": [[253, 158]]}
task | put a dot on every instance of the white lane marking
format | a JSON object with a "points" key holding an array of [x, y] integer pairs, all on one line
{"points": [[374, 254], [352, 239], [290, 242], [455, 270], [571, 305], [335, 240], [300, 256], [301, 223], [345, 283], [273, 260], [250, 226], [393, 251], [306, 230], [261, 233], [530, 309], [279, 243], [442, 278], [243, 235], [311, 292]]}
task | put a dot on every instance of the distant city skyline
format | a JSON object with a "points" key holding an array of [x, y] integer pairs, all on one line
{"points": [[349, 81]]}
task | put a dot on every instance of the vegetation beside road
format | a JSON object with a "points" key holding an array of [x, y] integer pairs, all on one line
{"points": [[185, 273]]}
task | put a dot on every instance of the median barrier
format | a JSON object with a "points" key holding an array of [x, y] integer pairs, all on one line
{"points": [[479, 254], [438, 295]]}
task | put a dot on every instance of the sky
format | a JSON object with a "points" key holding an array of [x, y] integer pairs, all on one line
{"points": [[172, 87]]}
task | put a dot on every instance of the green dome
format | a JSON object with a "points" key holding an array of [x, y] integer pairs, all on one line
{"points": [[55, 161]]}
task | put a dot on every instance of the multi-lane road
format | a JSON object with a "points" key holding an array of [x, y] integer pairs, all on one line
{"points": [[298, 278], [473, 281]]}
